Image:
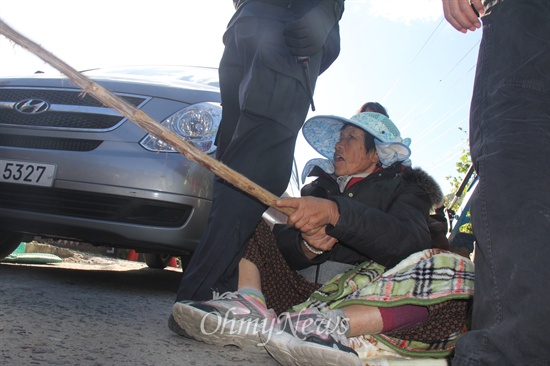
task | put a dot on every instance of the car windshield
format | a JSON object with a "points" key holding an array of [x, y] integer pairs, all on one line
{"points": [[195, 74]]}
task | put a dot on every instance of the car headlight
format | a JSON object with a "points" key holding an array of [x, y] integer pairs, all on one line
{"points": [[197, 124]]}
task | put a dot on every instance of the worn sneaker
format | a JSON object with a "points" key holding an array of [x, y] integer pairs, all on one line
{"points": [[230, 319], [316, 350], [174, 327], [310, 337]]}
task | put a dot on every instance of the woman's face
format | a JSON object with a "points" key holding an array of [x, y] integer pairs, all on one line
{"points": [[351, 156]]}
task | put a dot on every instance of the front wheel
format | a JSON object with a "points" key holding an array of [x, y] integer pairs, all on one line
{"points": [[9, 241], [157, 261]]}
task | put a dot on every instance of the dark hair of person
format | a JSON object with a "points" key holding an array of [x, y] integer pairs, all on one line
{"points": [[369, 139], [373, 107]]}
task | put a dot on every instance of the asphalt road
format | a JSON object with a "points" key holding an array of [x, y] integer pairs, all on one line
{"points": [[98, 311]]}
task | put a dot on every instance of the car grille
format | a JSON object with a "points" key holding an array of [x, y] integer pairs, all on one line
{"points": [[62, 120], [48, 143], [91, 205], [69, 109]]}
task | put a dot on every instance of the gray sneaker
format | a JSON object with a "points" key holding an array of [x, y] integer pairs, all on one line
{"points": [[230, 319], [174, 327], [316, 350], [310, 337]]}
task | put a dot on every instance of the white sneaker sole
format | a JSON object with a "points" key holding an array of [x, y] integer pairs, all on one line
{"points": [[212, 329], [279, 345], [291, 351], [310, 354]]}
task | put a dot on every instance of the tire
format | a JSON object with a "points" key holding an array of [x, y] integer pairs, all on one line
{"points": [[157, 261], [9, 241]]}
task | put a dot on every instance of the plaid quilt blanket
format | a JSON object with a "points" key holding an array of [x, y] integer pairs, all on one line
{"points": [[426, 278]]}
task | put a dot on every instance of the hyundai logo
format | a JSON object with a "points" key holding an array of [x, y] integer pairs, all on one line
{"points": [[31, 106]]}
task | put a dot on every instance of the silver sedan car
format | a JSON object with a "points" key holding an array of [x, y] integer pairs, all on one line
{"points": [[72, 168]]}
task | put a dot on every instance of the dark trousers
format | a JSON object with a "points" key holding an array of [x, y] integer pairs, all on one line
{"points": [[265, 101], [510, 147]]}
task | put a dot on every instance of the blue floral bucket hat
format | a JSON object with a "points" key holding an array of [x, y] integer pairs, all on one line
{"points": [[323, 132]]}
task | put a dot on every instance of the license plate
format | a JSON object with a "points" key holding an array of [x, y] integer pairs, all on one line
{"points": [[24, 172]]}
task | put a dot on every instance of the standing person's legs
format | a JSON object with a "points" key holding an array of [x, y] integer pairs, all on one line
{"points": [[273, 104], [510, 146]]}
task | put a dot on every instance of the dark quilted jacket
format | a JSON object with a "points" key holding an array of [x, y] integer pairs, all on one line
{"points": [[383, 217]]}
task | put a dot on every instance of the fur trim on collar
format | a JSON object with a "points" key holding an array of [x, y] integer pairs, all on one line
{"points": [[427, 182]]}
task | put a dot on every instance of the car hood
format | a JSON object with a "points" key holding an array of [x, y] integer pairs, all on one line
{"points": [[168, 84]]}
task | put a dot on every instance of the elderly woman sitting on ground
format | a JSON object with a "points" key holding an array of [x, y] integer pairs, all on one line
{"points": [[361, 228]]}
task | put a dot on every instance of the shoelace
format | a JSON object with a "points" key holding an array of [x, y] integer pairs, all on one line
{"points": [[226, 295]]}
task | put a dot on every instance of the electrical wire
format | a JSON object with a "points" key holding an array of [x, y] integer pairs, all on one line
{"points": [[412, 61], [437, 84]]}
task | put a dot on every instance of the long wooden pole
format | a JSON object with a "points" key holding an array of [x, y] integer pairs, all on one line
{"points": [[144, 121]]}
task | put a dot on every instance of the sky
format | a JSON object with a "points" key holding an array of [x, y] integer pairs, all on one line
{"points": [[400, 53]]}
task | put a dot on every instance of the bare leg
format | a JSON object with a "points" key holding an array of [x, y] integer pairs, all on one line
{"points": [[363, 320], [249, 275]]}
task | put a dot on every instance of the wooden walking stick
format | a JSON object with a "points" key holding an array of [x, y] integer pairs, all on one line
{"points": [[144, 121]]}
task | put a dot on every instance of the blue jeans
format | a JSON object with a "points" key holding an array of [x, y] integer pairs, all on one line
{"points": [[510, 147]]}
